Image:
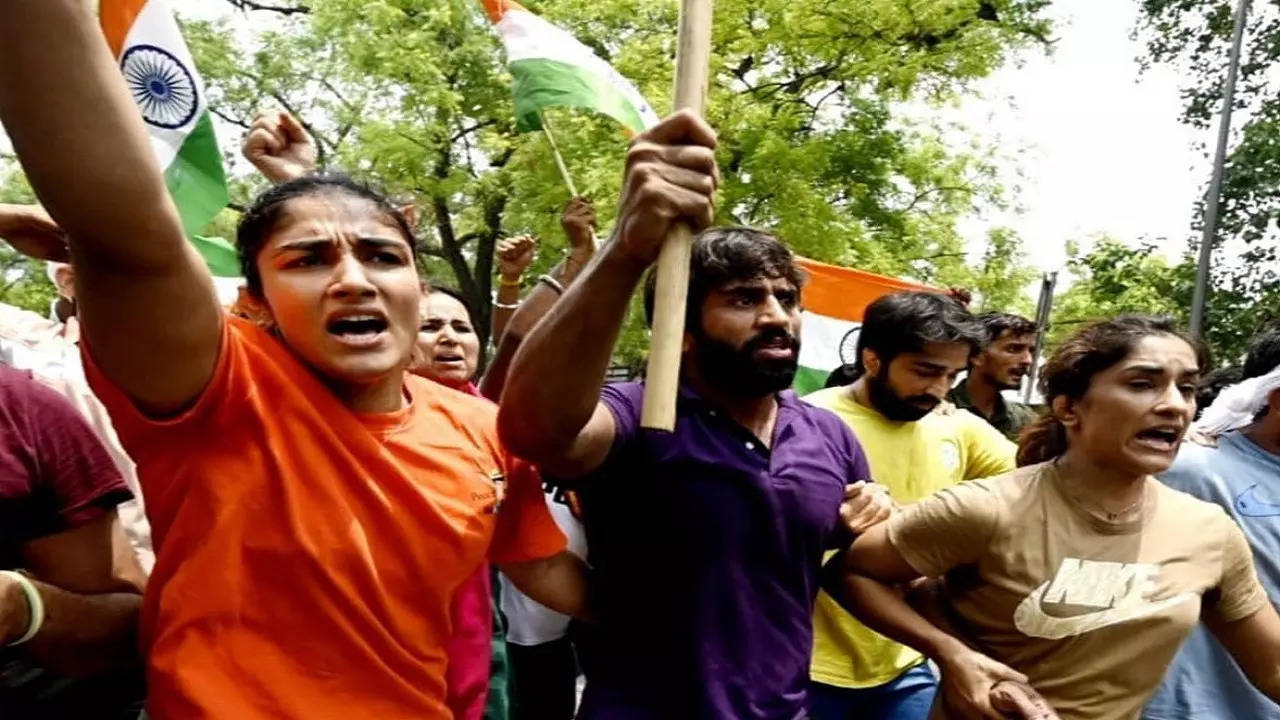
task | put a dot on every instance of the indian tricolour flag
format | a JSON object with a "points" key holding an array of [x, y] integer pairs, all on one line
{"points": [[552, 69], [834, 299], [162, 78]]}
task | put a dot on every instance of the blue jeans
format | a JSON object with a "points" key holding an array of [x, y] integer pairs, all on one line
{"points": [[907, 697]]}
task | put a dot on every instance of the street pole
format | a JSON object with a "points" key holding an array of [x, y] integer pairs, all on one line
{"points": [[1214, 197], [1043, 310]]}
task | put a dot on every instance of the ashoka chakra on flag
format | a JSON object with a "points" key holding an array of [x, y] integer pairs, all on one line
{"points": [[161, 85]]}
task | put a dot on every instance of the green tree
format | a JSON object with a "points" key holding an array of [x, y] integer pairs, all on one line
{"points": [[413, 95], [1000, 280], [23, 281], [1193, 36], [1113, 278]]}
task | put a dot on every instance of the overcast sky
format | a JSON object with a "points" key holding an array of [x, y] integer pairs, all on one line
{"points": [[1104, 151]]}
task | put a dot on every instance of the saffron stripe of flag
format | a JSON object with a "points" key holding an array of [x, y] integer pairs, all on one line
{"points": [[834, 300]]}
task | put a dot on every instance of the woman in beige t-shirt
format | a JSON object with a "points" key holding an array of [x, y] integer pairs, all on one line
{"points": [[1078, 572]]}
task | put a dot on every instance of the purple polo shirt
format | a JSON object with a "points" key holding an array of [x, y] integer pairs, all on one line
{"points": [[705, 548]]}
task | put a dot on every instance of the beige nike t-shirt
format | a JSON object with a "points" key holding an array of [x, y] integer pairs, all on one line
{"points": [[1092, 612]]}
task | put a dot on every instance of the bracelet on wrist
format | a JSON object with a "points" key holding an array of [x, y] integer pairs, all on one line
{"points": [[504, 282], [505, 306], [35, 605], [552, 283]]}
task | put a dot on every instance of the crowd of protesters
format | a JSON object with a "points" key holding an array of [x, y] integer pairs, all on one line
{"points": [[313, 504]]}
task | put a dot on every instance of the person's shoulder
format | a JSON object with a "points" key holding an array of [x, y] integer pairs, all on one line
{"points": [[825, 398], [1190, 511], [827, 422], [625, 400], [821, 412], [1194, 466], [20, 387], [1023, 482], [1020, 409], [27, 327], [956, 421], [464, 408], [12, 377], [631, 391]]}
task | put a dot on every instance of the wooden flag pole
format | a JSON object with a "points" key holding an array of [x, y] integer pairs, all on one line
{"points": [[564, 169], [662, 382], [555, 151]]}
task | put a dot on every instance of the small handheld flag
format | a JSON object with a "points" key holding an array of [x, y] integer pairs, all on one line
{"points": [[553, 69], [161, 76]]}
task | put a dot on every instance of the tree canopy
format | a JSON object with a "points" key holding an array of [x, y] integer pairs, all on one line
{"points": [[809, 100], [1194, 36], [23, 281], [413, 96]]}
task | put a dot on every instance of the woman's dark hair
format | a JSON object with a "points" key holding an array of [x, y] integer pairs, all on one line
{"points": [[456, 295], [1074, 364], [261, 217], [724, 254]]}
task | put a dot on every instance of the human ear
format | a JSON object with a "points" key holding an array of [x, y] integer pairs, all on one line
{"points": [[254, 308], [1064, 408], [870, 361]]}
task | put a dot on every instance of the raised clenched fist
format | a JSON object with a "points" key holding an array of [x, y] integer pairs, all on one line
{"points": [[30, 230], [279, 147], [579, 222], [671, 176], [515, 255]]}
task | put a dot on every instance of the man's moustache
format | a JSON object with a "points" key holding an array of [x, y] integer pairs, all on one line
{"points": [[763, 339]]}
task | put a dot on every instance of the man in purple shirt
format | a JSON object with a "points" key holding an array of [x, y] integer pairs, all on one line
{"points": [[705, 543]]}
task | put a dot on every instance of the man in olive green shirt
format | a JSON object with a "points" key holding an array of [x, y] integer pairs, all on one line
{"points": [[1003, 362]]}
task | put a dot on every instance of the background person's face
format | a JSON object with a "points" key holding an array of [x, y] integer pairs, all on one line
{"points": [[1007, 360], [448, 346], [749, 342], [340, 284], [914, 383], [1134, 414]]}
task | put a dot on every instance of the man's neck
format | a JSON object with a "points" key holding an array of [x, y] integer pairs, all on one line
{"points": [[1265, 433], [757, 414], [861, 394], [984, 395]]}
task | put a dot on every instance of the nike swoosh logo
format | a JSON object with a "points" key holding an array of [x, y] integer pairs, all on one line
{"points": [[1249, 504], [1032, 621]]}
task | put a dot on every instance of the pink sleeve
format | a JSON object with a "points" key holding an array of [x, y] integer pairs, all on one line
{"points": [[467, 677]]}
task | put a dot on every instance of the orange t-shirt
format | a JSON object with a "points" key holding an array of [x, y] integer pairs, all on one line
{"points": [[306, 555]]}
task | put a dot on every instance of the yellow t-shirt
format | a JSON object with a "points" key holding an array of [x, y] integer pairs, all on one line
{"points": [[914, 460]]}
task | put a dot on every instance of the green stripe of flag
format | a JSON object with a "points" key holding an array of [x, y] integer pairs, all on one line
{"points": [[543, 83], [808, 380], [195, 178], [218, 254]]}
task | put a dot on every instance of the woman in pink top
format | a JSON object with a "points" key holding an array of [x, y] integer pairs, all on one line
{"points": [[448, 352]]}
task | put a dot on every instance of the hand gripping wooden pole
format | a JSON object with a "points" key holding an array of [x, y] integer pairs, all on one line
{"points": [[662, 382]]}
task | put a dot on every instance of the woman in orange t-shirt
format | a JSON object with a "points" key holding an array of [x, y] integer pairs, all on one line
{"points": [[315, 508]]}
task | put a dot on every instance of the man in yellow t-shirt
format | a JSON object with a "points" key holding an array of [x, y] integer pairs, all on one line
{"points": [[911, 348]]}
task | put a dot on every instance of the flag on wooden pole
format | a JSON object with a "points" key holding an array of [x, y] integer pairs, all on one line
{"points": [[553, 69], [161, 76], [834, 300]]}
